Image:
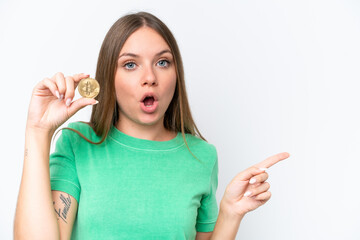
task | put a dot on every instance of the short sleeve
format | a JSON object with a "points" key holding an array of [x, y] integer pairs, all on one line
{"points": [[63, 174], [208, 210]]}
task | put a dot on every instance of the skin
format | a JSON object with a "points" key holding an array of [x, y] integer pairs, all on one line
{"points": [[145, 64]]}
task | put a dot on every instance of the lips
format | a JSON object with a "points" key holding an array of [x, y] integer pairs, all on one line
{"points": [[149, 102], [149, 95]]}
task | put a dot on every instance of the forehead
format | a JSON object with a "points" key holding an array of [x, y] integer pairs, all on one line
{"points": [[144, 40]]}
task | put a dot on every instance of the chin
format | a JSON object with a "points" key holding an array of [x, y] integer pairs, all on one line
{"points": [[149, 121]]}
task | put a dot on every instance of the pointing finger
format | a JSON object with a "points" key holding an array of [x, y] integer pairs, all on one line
{"points": [[260, 167], [272, 160]]}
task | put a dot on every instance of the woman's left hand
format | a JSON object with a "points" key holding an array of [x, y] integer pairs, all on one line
{"points": [[248, 190]]}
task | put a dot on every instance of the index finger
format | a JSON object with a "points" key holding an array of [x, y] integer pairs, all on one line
{"points": [[272, 160], [78, 77]]}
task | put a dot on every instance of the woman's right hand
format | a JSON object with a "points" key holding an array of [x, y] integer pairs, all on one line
{"points": [[51, 105]]}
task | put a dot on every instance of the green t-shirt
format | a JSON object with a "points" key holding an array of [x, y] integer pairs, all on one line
{"points": [[131, 188]]}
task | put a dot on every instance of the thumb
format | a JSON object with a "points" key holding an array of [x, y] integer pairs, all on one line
{"points": [[240, 182], [249, 173], [81, 103]]}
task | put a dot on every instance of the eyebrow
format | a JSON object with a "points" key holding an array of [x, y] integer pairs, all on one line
{"points": [[136, 56]]}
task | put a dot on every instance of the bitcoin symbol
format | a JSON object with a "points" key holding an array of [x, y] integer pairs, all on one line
{"points": [[89, 88]]}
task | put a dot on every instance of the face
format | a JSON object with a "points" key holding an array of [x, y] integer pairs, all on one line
{"points": [[145, 78]]}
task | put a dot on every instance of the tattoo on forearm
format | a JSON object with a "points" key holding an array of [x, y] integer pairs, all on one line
{"points": [[62, 213]]}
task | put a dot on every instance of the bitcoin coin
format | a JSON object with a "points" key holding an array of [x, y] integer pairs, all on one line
{"points": [[89, 88]]}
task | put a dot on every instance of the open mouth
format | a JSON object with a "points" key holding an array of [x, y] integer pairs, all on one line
{"points": [[149, 101]]}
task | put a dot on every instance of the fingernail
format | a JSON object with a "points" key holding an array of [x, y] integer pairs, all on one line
{"points": [[57, 94], [247, 194], [62, 96], [253, 180], [68, 101], [96, 102], [263, 169]]}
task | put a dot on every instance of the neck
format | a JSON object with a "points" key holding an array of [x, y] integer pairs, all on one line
{"points": [[156, 132]]}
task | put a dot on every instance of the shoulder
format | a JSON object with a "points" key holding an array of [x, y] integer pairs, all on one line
{"points": [[83, 128], [201, 148], [197, 142], [80, 126]]}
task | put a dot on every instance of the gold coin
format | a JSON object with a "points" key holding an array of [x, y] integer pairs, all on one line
{"points": [[89, 88]]}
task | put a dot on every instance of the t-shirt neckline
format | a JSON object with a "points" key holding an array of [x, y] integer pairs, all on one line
{"points": [[144, 144]]}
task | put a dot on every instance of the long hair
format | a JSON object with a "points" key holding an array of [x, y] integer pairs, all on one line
{"points": [[177, 117]]}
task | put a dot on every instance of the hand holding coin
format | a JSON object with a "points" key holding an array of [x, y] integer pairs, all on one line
{"points": [[88, 88], [51, 101]]}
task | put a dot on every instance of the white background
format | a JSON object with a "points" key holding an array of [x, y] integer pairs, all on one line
{"points": [[263, 76]]}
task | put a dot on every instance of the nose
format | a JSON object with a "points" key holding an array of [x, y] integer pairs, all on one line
{"points": [[149, 78]]}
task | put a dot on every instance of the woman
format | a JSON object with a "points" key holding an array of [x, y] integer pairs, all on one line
{"points": [[140, 169]]}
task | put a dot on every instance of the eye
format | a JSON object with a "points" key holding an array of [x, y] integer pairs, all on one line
{"points": [[163, 63], [129, 65]]}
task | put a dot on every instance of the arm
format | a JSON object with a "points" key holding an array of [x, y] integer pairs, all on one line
{"points": [[65, 209], [35, 216], [49, 107], [203, 235], [226, 226]]}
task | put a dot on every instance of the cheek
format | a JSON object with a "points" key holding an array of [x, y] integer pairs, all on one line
{"points": [[122, 86], [122, 92], [118, 90]]}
